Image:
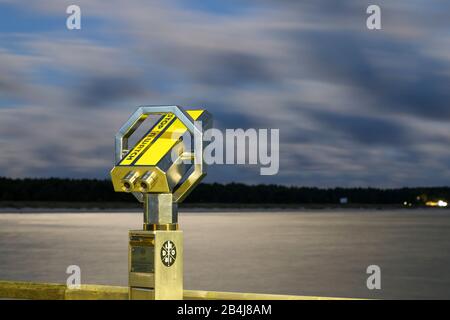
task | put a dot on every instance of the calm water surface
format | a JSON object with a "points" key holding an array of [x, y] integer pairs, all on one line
{"points": [[305, 253]]}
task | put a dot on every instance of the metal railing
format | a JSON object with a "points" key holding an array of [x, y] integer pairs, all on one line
{"points": [[55, 291]]}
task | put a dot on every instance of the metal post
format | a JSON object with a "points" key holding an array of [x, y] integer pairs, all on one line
{"points": [[156, 252], [160, 211]]}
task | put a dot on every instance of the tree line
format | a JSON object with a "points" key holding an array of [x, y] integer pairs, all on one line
{"points": [[93, 190]]}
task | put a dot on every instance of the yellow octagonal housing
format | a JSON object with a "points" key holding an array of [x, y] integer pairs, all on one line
{"points": [[161, 161]]}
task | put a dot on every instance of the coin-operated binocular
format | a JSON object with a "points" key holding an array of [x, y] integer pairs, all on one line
{"points": [[159, 170]]}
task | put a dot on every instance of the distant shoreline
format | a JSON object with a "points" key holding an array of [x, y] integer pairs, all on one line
{"points": [[93, 193], [39, 206]]}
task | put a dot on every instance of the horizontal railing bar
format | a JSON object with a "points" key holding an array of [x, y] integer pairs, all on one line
{"points": [[55, 291]]}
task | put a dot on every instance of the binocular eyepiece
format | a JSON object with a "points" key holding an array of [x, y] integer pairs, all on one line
{"points": [[144, 183], [147, 181]]}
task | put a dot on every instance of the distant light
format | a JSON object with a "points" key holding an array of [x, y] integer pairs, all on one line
{"points": [[405, 203], [439, 203], [442, 203]]}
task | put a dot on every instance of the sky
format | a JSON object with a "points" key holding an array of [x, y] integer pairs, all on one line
{"points": [[355, 107]]}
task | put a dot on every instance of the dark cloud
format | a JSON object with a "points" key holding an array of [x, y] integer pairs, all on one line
{"points": [[217, 67], [365, 130], [229, 68], [392, 73], [226, 116], [6, 86], [102, 91]]}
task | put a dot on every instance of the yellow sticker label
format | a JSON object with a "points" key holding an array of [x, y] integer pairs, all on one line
{"points": [[159, 141], [166, 141], [147, 140]]}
